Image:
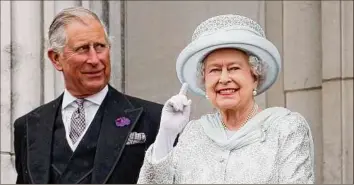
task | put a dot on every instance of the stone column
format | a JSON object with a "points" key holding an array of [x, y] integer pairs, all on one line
{"points": [[302, 66], [7, 166], [337, 93]]}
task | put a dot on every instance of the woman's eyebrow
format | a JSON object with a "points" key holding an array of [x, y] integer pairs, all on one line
{"points": [[234, 62]]}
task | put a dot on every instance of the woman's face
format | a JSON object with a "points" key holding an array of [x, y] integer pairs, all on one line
{"points": [[228, 79]]}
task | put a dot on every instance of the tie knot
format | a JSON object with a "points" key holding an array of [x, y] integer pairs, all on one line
{"points": [[80, 102]]}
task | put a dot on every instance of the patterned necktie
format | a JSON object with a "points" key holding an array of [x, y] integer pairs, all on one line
{"points": [[78, 123]]}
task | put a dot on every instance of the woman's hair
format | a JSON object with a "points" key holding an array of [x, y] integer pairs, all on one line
{"points": [[258, 69]]}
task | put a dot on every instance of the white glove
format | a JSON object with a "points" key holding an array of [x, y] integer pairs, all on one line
{"points": [[174, 117], [176, 112]]}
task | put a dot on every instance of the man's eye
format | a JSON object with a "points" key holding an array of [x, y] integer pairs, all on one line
{"points": [[214, 70], [100, 47], [82, 49]]}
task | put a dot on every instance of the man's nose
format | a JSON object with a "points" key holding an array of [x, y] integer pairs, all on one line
{"points": [[93, 57]]}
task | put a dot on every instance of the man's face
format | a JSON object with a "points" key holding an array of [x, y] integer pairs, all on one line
{"points": [[85, 61]]}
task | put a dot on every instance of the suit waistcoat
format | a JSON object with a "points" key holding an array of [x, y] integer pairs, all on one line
{"points": [[68, 167]]}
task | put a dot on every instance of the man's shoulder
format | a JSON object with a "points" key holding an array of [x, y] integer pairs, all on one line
{"points": [[36, 112], [152, 110], [136, 101]]}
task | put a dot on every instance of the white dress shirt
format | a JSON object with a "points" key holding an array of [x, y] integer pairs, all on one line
{"points": [[91, 105]]}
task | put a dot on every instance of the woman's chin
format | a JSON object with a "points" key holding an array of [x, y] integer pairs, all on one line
{"points": [[227, 105]]}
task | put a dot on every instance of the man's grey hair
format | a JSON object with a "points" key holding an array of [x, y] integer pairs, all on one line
{"points": [[57, 36], [258, 69]]}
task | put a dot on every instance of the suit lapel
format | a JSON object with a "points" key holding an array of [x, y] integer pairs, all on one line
{"points": [[39, 141], [112, 138]]}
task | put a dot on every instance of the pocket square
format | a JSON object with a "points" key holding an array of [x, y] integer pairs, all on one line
{"points": [[136, 138]]}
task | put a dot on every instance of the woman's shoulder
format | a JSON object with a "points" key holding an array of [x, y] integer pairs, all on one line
{"points": [[192, 131], [290, 121], [194, 126]]}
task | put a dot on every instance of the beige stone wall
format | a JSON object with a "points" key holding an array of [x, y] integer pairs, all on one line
{"points": [[315, 39], [337, 91]]}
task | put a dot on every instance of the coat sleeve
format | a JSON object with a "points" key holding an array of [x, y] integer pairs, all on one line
{"points": [[164, 170], [157, 172], [296, 152], [19, 132]]}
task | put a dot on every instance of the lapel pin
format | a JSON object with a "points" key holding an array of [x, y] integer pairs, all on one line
{"points": [[122, 121]]}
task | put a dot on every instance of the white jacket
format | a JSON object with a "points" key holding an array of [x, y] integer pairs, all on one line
{"points": [[275, 146]]}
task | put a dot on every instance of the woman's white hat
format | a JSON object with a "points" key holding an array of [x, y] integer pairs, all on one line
{"points": [[227, 31]]}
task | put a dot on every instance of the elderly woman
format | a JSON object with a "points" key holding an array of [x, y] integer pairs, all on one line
{"points": [[229, 61]]}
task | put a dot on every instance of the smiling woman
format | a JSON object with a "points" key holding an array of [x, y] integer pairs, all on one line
{"points": [[229, 61], [229, 81]]}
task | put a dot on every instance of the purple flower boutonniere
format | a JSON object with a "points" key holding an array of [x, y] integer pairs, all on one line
{"points": [[122, 121]]}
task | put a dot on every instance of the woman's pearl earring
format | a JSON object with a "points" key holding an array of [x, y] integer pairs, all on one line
{"points": [[206, 96], [254, 92]]}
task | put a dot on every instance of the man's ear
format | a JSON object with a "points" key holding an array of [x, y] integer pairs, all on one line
{"points": [[54, 57]]}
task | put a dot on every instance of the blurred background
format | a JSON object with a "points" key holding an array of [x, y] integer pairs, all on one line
{"points": [[315, 39]]}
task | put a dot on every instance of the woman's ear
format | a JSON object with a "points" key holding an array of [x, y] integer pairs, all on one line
{"points": [[54, 58], [255, 78], [255, 84]]}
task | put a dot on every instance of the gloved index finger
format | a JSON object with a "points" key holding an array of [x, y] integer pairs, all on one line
{"points": [[184, 89]]}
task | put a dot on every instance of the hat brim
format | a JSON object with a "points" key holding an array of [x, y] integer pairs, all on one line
{"points": [[195, 52]]}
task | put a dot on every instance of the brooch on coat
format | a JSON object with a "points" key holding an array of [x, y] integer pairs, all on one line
{"points": [[122, 121]]}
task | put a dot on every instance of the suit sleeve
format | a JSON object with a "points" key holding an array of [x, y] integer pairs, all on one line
{"points": [[19, 132], [297, 156]]}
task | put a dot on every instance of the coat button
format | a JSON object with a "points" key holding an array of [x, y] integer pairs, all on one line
{"points": [[221, 159]]}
